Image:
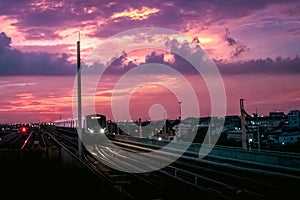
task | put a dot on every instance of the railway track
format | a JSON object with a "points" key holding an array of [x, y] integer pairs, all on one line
{"points": [[15, 140], [32, 139], [152, 185], [207, 177], [230, 179]]}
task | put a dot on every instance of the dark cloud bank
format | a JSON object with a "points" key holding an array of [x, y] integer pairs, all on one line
{"points": [[15, 62]]}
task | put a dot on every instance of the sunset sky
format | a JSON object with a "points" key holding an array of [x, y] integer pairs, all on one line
{"points": [[255, 45]]}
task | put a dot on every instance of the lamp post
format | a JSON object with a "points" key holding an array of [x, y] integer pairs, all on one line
{"points": [[179, 103]]}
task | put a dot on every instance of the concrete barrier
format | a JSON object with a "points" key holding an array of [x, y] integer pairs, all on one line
{"points": [[284, 159]]}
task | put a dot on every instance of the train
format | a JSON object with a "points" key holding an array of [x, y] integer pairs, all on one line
{"points": [[92, 124]]}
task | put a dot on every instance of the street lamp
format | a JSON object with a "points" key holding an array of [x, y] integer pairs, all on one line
{"points": [[79, 100], [179, 103], [258, 135]]}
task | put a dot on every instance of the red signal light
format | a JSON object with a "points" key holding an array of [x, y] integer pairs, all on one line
{"points": [[23, 130]]}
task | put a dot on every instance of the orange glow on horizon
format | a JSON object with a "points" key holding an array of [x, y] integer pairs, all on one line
{"points": [[205, 40], [6, 25]]}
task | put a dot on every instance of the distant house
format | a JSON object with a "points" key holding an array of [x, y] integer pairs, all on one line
{"points": [[277, 114], [182, 129], [274, 121], [294, 118], [232, 122], [289, 138], [237, 135], [273, 136]]}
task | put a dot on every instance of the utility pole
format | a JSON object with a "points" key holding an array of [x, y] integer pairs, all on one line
{"points": [[165, 127], [179, 131], [79, 130], [243, 124], [209, 132], [127, 123], [179, 103], [140, 124]]}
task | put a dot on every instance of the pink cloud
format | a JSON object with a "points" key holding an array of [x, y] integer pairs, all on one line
{"points": [[37, 31]]}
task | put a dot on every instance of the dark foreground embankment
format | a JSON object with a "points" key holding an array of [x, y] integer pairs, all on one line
{"points": [[48, 174]]}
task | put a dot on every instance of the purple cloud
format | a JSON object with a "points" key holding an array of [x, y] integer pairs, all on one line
{"points": [[15, 62], [50, 16], [278, 66], [238, 46], [268, 66], [294, 31]]}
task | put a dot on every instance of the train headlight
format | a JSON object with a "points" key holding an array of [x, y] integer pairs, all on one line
{"points": [[91, 130]]}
